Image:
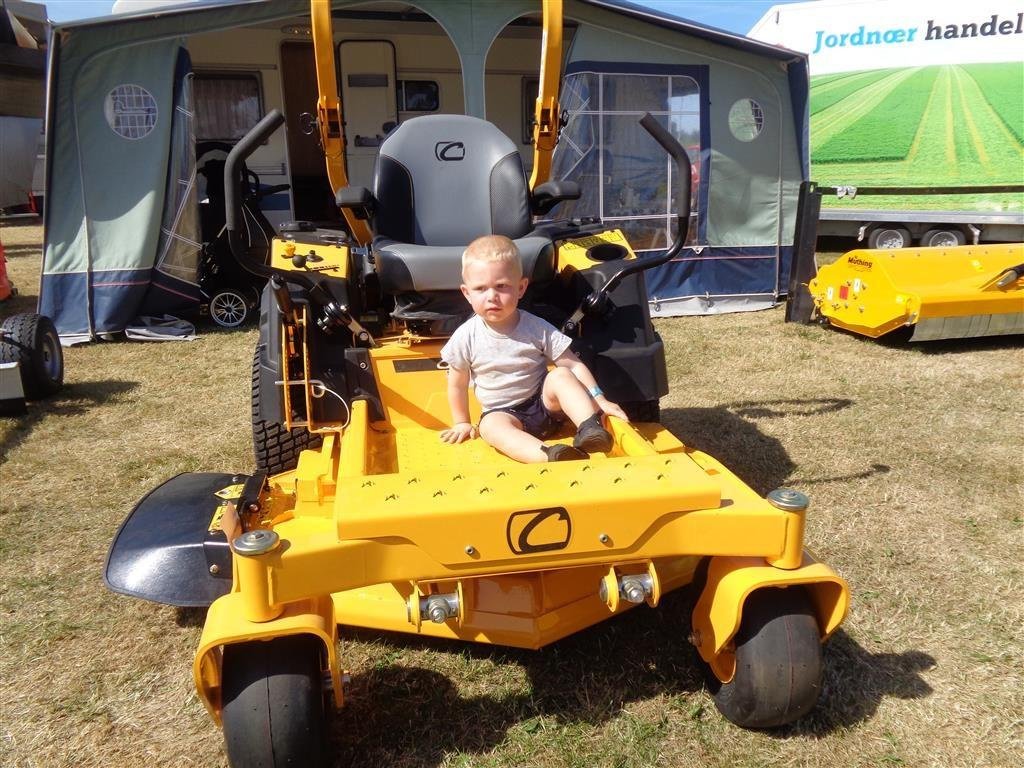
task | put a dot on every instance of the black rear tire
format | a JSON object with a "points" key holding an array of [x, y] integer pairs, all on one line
{"points": [[274, 711], [31, 340], [275, 448], [778, 662], [642, 410]]}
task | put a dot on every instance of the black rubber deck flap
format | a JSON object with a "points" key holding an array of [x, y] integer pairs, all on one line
{"points": [[164, 551]]}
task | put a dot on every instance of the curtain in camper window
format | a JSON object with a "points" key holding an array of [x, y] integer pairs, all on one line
{"points": [[625, 176]]}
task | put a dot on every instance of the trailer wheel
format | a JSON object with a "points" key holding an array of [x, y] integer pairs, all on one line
{"points": [[31, 340], [642, 410], [274, 712], [778, 662], [229, 308], [275, 448], [889, 237], [942, 238]]}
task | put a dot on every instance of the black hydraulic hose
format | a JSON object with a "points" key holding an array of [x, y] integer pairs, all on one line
{"points": [[683, 171]]}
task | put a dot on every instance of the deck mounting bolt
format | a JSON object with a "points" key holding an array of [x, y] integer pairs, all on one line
{"points": [[470, 550], [603, 538], [788, 499], [256, 542], [214, 569]]}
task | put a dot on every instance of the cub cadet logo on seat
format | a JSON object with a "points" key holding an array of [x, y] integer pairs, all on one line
{"points": [[449, 150], [539, 530]]}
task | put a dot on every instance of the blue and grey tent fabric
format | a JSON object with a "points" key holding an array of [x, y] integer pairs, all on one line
{"points": [[109, 254]]}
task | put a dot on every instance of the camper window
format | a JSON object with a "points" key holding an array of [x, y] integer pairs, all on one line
{"points": [[227, 105], [418, 96], [625, 176]]}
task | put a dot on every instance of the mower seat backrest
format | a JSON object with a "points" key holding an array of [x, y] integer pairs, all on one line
{"points": [[440, 182]]}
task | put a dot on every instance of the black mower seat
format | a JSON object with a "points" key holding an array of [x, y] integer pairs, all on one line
{"points": [[441, 181]]}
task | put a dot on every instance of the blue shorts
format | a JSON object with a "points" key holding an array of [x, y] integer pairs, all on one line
{"points": [[535, 418]]}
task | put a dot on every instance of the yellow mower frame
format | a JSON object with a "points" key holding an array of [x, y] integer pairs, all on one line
{"points": [[383, 517]]}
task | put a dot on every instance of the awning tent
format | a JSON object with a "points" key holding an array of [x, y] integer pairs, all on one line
{"points": [[739, 106]]}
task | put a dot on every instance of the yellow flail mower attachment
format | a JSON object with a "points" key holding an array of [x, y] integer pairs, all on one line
{"points": [[939, 293]]}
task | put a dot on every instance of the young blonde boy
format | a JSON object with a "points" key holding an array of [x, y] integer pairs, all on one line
{"points": [[504, 351]]}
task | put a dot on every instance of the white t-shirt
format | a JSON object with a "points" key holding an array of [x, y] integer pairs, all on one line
{"points": [[505, 369]]}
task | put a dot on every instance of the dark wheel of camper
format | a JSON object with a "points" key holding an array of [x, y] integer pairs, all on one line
{"points": [[274, 711], [942, 238], [230, 308], [276, 449], [778, 662], [31, 341], [642, 410], [889, 237]]}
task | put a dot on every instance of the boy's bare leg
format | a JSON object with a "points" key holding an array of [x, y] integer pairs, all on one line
{"points": [[563, 393], [504, 432]]}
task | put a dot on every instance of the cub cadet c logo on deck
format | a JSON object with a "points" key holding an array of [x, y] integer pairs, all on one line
{"points": [[539, 530], [449, 150]]}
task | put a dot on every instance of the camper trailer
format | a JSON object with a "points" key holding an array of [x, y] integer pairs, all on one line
{"points": [[151, 85]]}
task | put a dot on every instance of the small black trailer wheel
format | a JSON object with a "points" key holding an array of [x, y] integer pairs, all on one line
{"points": [[274, 713], [778, 661], [887, 236], [230, 308], [31, 340]]}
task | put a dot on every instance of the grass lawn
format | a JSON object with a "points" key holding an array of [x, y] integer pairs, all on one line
{"points": [[911, 456]]}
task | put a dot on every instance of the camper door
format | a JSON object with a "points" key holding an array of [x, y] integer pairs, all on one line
{"points": [[369, 101]]}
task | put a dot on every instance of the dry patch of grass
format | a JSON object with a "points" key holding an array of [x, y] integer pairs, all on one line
{"points": [[911, 456]]}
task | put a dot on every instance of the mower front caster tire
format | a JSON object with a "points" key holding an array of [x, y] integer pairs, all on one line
{"points": [[274, 713], [778, 662]]}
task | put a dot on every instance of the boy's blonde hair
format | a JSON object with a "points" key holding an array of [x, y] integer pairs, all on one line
{"points": [[493, 248]]}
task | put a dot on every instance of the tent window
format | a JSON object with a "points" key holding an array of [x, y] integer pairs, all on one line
{"points": [[227, 105], [624, 175]]}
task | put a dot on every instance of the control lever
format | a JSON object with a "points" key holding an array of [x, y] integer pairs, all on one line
{"points": [[596, 302]]}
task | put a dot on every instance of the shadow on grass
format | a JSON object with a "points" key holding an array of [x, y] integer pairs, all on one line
{"points": [[856, 681], [72, 400], [414, 717]]}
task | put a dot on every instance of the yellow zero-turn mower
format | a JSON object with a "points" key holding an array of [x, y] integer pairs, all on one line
{"points": [[357, 514], [935, 293]]}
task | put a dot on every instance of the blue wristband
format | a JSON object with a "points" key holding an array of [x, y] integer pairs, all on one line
{"points": [[595, 392]]}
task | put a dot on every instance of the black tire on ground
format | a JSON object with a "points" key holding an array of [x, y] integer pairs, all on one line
{"points": [[642, 410], [887, 236], [275, 448], [274, 711], [942, 238], [230, 308], [778, 662], [32, 341]]}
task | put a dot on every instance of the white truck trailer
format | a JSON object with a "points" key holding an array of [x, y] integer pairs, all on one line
{"points": [[913, 94]]}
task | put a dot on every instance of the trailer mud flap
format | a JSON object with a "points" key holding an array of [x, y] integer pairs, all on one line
{"points": [[170, 549]]}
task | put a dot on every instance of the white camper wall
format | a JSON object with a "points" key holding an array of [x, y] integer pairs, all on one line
{"points": [[422, 52]]}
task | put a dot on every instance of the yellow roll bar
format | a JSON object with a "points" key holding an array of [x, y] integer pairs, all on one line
{"points": [[329, 110], [547, 113]]}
